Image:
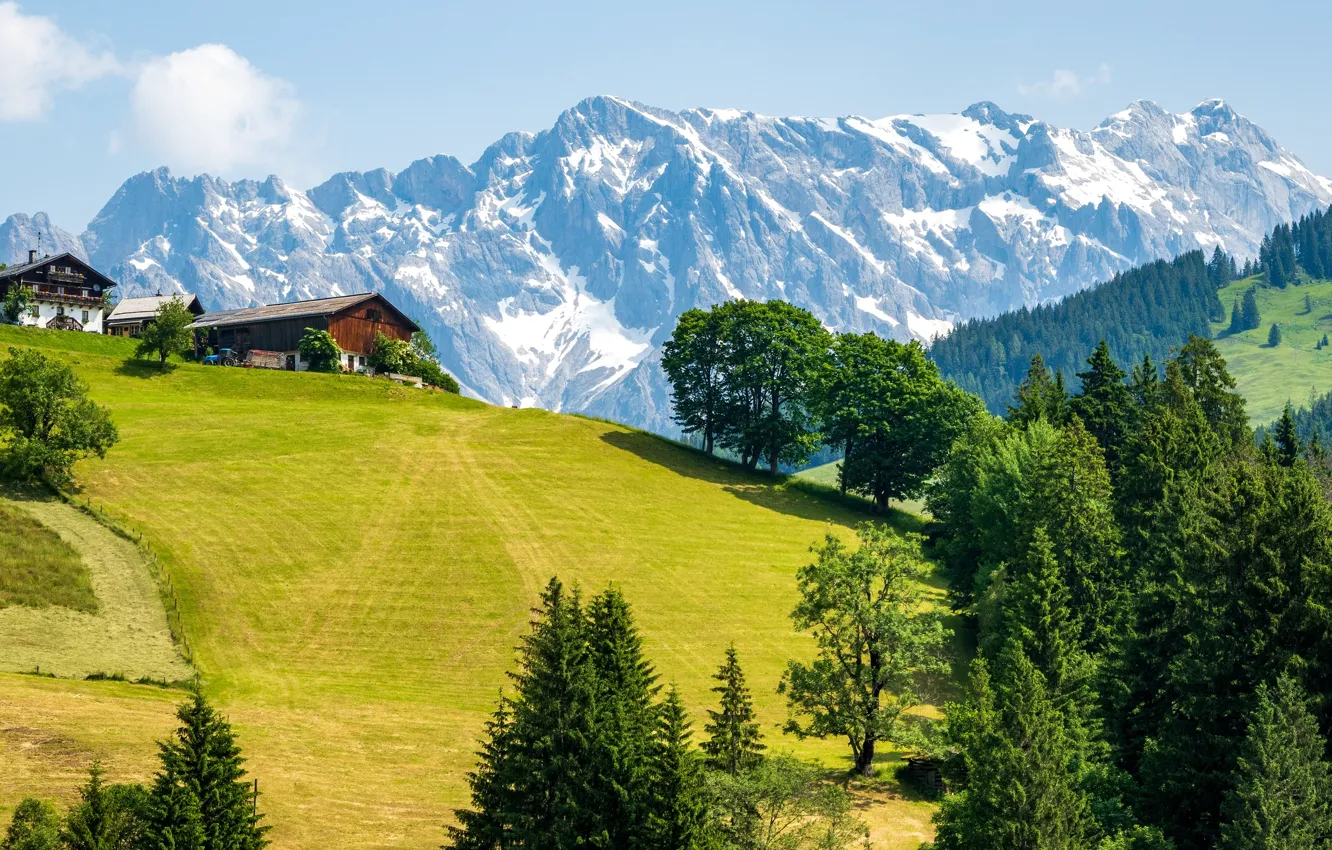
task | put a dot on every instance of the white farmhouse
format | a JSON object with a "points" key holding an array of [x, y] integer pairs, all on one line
{"points": [[67, 293]]}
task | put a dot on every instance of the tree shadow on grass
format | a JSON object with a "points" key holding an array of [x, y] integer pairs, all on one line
{"points": [[783, 494], [146, 369]]}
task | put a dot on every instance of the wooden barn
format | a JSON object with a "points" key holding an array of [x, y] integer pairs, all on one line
{"points": [[131, 316], [353, 321], [67, 293]]}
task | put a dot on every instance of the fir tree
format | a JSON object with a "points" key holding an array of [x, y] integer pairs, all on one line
{"points": [[734, 741], [1323, 342], [1249, 309], [1281, 793], [1288, 446], [103, 819], [205, 759], [1236, 320], [681, 818], [1308, 304], [1104, 402], [1274, 336], [1020, 792], [1040, 396], [175, 821]]}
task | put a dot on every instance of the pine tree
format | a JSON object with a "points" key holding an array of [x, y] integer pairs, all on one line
{"points": [[1308, 304], [626, 721], [175, 821], [101, 820], [734, 741], [1037, 613], [1288, 446], [1236, 320], [205, 759], [1020, 791], [1249, 309], [1040, 396], [1104, 402], [1274, 336], [1281, 793], [681, 818], [1323, 341]]}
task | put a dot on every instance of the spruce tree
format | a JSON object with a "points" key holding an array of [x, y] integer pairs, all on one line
{"points": [[1037, 613], [1274, 336], [205, 759], [1104, 402], [103, 819], [734, 741], [1323, 342], [1288, 448], [175, 821], [1041, 395], [1249, 309], [1020, 791], [1281, 793], [1236, 320], [681, 819], [1308, 305]]}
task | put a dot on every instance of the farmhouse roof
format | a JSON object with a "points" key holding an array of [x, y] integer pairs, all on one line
{"points": [[63, 256], [294, 310], [138, 309]]}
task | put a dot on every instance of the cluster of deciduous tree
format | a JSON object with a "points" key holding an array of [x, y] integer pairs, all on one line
{"points": [[199, 800], [1142, 312], [768, 382], [47, 421], [1153, 597], [418, 358], [587, 752]]}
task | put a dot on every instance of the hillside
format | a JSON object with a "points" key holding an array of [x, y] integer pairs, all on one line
{"points": [[1269, 377], [552, 267], [355, 563]]}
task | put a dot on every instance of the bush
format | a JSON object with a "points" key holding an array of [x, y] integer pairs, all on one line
{"points": [[47, 419], [17, 302], [35, 826], [392, 355], [321, 351]]}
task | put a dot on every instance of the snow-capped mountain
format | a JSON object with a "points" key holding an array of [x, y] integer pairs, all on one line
{"points": [[550, 270]]}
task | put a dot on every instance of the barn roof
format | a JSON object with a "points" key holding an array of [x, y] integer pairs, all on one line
{"points": [[138, 309], [294, 310], [63, 256]]}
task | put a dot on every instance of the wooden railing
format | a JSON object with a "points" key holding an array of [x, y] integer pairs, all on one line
{"points": [[51, 293]]}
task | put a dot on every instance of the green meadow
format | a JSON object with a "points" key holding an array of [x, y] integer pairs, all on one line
{"points": [[1269, 377], [355, 562]]}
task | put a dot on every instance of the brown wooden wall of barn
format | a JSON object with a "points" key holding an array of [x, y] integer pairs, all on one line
{"points": [[355, 331]]}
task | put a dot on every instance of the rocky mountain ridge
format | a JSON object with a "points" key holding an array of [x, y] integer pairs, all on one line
{"points": [[551, 269]]}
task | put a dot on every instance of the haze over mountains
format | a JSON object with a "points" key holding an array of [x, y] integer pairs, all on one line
{"points": [[550, 270]]}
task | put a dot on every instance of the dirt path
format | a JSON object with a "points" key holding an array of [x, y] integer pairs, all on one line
{"points": [[128, 635]]}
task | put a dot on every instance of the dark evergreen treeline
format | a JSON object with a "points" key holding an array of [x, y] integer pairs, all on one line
{"points": [[587, 752], [1305, 246], [1145, 311], [1153, 596], [199, 800], [765, 380]]}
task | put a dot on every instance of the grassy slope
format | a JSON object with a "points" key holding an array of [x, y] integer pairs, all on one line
{"points": [[356, 562], [39, 569], [1268, 377]]}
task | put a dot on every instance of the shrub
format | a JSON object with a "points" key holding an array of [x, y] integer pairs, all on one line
{"points": [[321, 351], [392, 355], [48, 419], [17, 302]]}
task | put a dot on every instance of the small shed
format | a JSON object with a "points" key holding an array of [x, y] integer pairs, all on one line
{"points": [[354, 321], [131, 316]]}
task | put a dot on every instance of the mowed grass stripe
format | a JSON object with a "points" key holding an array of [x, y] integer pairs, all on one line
{"points": [[357, 562]]}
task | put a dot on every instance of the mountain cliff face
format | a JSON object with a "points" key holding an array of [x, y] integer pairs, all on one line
{"points": [[550, 270]]}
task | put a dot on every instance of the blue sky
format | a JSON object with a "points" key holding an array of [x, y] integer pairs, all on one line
{"points": [[92, 92]]}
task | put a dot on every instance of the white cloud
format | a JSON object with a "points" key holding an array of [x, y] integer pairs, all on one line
{"points": [[208, 108], [1065, 84], [38, 59]]}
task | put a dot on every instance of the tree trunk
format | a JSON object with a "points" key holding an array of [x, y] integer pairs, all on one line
{"points": [[772, 463], [841, 473], [865, 757]]}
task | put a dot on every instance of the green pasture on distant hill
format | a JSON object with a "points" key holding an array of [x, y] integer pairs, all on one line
{"points": [[1269, 377], [355, 562]]}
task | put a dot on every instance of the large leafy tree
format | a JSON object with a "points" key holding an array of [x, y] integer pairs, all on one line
{"points": [[694, 360], [168, 333], [776, 355], [47, 418], [1282, 783], [884, 405], [34, 826], [734, 742], [878, 642]]}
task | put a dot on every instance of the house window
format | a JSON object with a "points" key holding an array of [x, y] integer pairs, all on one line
{"points": [[374, 315], [60, 311], [361, 361], [85, 317]]}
